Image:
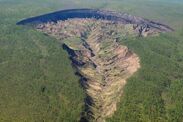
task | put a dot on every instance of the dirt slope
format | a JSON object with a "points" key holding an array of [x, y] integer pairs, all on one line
{"points": [[102, 62]]}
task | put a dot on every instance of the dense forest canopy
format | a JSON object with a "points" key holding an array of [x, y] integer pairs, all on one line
{"points": [[38, 83]]}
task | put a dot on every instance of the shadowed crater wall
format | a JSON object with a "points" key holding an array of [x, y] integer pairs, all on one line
{"points": [[94, 13]]}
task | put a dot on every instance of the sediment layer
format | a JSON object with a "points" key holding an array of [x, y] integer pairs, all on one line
{"points": [[92, 39], [102, 62], [97, 14]]}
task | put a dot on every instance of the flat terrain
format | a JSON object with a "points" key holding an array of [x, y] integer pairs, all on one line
{"points": [[38, 83]]}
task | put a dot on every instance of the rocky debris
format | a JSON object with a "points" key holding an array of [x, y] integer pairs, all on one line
{"points": [[99, 58], [103, 64], [91, 37]]}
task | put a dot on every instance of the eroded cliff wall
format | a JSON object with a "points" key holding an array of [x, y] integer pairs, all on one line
{"points": [[102, 62], [91, 38]]}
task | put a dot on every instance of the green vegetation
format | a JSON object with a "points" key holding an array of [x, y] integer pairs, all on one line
{"points": [[174, 100], [147, 93], [37, 82]]}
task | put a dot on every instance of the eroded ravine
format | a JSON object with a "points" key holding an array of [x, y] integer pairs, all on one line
{"points": [[91, 37], [99, 58]]}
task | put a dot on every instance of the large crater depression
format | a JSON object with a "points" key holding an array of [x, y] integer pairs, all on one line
{"points": [[92, 39], [93, 13]]}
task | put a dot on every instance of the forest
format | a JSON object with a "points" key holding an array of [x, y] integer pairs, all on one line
{"points": [[38, 82]]}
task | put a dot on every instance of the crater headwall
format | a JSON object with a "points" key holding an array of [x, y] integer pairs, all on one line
{"points": [[94, 13]]}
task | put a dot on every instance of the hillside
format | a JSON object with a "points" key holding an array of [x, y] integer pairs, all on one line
{"points": [[91, 38], [102, 63]]}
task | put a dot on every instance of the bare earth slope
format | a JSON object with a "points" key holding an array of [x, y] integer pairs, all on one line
{"points": [[102, 62], [91, 38]]}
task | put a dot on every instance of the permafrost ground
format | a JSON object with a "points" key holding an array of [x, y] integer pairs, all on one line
{"points": [[92, 41], [102, 62]]}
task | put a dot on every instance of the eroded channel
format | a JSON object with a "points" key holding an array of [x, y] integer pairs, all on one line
{"points": [[92, 41]]}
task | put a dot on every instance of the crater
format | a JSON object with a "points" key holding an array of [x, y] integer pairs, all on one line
{"points": [[91, 37]]}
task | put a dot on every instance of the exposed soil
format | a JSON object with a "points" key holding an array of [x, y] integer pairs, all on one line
{"points": [[99, 58], [91, 37], [97, 14]]}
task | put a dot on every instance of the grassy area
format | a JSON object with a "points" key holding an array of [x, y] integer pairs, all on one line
{"points": [[37, 82]]}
